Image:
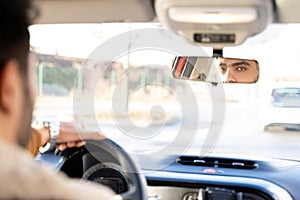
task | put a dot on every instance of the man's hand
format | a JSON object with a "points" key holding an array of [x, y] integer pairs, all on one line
{"points": [[72, 136], [69, 135]]}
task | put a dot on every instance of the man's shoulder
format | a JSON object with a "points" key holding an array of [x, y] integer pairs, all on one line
{"points": [[21, 177]]}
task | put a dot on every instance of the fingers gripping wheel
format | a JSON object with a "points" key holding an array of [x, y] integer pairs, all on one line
{"points": [[107, 163]]}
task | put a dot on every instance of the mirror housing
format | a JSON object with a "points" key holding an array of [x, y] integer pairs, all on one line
{"points": [[216, 69]]}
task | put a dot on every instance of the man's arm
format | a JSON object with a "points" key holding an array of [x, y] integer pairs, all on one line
{"points": [[69, 136]]}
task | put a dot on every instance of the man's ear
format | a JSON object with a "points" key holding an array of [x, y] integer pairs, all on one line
{"points": [[9, 86]]}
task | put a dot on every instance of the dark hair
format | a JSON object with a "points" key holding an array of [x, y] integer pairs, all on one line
{"points": [[15, 17]]}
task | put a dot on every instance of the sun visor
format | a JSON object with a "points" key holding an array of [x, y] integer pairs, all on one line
{"points": [[215, 23], [93, 11]]}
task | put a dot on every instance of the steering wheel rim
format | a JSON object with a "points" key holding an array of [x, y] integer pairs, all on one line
{"points": [[137, 181]]}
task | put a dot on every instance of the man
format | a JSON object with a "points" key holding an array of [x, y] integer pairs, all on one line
{"points": [[20, 176], [239, 70]]}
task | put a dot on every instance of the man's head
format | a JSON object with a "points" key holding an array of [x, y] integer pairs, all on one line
{"points": [[239, 70], [16, 102]]}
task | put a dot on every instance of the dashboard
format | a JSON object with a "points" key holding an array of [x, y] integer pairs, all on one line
{"points": [[189, 177]]}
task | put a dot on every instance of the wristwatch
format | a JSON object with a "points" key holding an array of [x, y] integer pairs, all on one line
{"points": [[54, 129]]}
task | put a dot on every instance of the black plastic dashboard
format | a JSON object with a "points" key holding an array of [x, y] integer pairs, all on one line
{"points": [[269, 179], [192, 177]]}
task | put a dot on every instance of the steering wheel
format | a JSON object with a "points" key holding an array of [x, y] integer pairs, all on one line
{"points": [[105, 162]]}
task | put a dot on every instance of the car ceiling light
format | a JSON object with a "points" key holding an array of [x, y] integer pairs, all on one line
{"points": [[212, 15]]}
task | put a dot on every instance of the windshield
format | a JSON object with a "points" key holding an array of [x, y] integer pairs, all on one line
{"points": [[86, 71]]}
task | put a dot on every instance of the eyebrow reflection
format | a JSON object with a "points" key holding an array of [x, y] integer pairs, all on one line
{"points": [[240, 63], [223, 64]]}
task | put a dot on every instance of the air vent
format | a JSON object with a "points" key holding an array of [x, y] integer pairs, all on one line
{"points": [[224, 194], [217, 162]]}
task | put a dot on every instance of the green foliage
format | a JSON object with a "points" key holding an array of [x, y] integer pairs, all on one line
{"points": [[63, 76]]}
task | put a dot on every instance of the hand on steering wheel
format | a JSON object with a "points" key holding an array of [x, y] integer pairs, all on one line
{"points": [[69, 135]]}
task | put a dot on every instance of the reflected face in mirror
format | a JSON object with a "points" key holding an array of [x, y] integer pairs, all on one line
{"points": [[238, 70], [216, 69]]}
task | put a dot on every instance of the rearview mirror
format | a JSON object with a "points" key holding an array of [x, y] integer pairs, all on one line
{"points": [[216, 69]]}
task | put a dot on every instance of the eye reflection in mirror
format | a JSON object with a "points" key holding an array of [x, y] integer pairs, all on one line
{"points": [[216, 69], [238, 70]]}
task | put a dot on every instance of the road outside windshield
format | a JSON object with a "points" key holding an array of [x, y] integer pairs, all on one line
{"points": [[133, 99]]}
